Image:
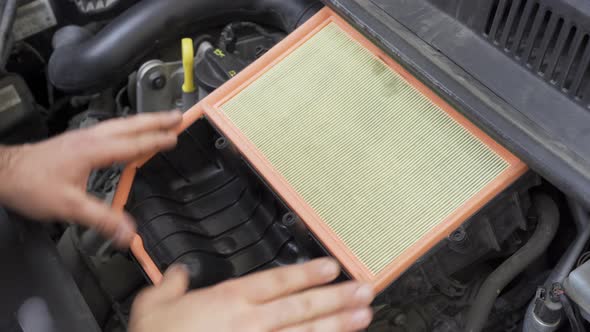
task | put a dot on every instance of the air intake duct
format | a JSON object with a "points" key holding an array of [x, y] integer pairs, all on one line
{"points": [[92, 64]]}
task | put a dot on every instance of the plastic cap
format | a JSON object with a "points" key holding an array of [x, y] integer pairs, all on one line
{"points": [[188, 60]]}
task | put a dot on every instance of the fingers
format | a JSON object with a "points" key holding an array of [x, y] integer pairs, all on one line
{"points": [[138, 124], [316, 303], [123, 140], [352, 320], [174, 284], [93, 213], [131, 148], [266, 286]]}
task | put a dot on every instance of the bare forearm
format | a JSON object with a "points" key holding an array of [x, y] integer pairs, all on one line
{"points": [[47, 180]]}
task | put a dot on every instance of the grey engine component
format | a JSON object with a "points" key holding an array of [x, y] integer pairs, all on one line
{"points": [[577, 287], [159, 83]]}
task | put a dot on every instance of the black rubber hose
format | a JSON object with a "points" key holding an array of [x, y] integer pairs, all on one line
{"points": [[548, 222], [111, 54]]}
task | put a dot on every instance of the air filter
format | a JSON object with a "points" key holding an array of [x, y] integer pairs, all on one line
{"points": [[378, 167]]}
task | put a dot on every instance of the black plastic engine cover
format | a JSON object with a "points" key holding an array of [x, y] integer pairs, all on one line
{"points": [[201, 205], [507, 65]]}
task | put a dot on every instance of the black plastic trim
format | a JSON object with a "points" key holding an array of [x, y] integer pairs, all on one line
{"points": [[546, 130]]}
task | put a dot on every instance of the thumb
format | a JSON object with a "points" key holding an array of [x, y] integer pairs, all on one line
{"points": [[174, 284]]}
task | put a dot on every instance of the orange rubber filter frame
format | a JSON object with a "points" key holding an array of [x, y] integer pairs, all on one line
{"points": [[210, 109]]}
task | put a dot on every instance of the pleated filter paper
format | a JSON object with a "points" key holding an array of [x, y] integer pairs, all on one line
{"points": [[375, 158]]}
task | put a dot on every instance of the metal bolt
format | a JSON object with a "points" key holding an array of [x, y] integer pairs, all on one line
{"points": [[458, 235], [157, 80], [221, 143], [400, 319], [289, 219]]}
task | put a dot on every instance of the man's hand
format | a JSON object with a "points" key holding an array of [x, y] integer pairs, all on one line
{"points": [[47, 180], [281, 299]]}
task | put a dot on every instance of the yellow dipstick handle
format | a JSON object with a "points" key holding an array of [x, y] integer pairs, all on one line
{"points": [[188, 61]]}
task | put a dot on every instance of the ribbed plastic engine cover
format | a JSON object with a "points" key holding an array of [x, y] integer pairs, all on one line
{"points": [[377, 166]]}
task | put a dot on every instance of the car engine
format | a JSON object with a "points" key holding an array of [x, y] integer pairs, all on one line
{"points": [[518, 263]]}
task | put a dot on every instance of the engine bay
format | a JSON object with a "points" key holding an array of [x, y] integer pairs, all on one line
{"points": [[517, 263]]}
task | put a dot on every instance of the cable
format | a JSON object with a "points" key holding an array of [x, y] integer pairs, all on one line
{"points": [[33, 51]]}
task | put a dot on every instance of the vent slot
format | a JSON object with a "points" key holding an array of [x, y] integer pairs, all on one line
{"points": [[491, 17], [524, 29], [545, 42], [499, 19], [558, 63], [578, 67], [549, 46], [514, 19], [538, 31]]}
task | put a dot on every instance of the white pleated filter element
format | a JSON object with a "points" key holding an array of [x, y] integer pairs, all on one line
{"points": [[376, 159]]}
